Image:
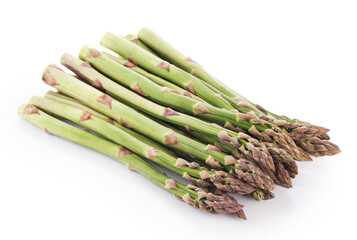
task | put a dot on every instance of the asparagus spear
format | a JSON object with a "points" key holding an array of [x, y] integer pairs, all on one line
{"points": [[244, 169], [190, 194], [139, 56], [299, 131]]}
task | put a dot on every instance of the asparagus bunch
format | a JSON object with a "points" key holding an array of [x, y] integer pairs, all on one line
{"points": [[193, 195], [151, 101]]}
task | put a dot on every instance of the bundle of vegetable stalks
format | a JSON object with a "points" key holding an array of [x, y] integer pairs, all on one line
{"points": [[148, 102]]}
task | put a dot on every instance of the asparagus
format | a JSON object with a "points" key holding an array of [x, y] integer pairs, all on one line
{"points": [[226, 142], [252, 147], [243, 168], [167, 97], [324, 137], [139, 56], [163, 96], [123, 61], [147, 60], [134, 39], [165, 83], [164, 49], [103, 103], [282, 180], [318, 147], [203, 153], [138, 83], [159, 81], [299, 131], [192, 195], [192, 171], [70, 101], [292, 168], [296, 129], [282, 175], [147, 88]]}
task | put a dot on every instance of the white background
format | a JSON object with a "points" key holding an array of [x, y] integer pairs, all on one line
{"points": [[298, 58]]}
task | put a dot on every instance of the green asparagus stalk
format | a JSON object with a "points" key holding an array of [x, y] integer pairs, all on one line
{"points": [[206, 154], [190, 194], [164, 49], [150, 62]]}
